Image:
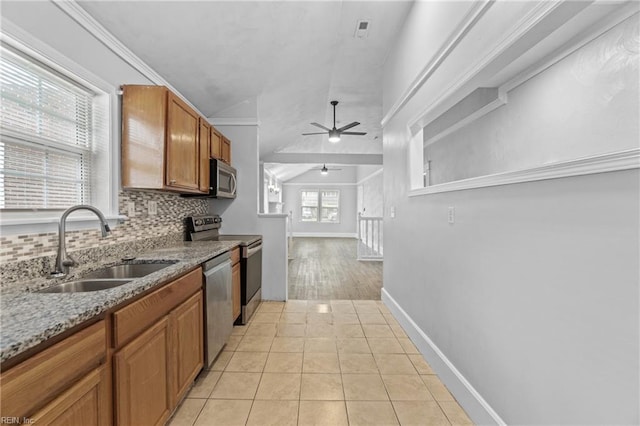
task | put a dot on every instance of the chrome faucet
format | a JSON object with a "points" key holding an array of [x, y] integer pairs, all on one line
{"points": [[63, 261]]}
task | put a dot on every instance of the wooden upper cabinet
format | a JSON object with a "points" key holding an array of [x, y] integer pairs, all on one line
{"points": [[226, 150], [220, 146], [205, 142], [144, 116], [183, 149], [216, 143], [160, 141]]}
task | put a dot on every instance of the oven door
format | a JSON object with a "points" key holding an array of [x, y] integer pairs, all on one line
{"points": [[252, 257], [224, 179]]}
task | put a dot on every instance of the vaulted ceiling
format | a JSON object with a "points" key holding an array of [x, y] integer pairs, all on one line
{"points": [[280, 60]]}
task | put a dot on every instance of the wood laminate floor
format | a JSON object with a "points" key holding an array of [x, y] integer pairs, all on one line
{"points": [[327, 269]]}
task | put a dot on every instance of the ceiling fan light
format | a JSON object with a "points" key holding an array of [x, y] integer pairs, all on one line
{"points": [[334, 136], [324, 170]]}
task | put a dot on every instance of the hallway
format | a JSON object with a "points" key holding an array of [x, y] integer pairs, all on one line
{"points": [[327, 269], [320, 363]]}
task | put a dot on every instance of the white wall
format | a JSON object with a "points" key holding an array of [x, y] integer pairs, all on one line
{"points": [[45, 21], [240, 215], [370, 193], [342, 180], [544, 119], [526, 306]]}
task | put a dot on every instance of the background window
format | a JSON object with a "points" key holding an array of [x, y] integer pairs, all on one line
{"points": [[327, 202], [309, 206], [49, 126]]}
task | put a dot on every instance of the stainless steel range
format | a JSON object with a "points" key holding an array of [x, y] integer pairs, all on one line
{"points": [[207, 228]]}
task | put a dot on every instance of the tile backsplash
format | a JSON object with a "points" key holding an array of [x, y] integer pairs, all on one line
{"points": [[23, 256]]}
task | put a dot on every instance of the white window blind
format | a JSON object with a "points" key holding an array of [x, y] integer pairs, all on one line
{"points": [[309, 206], [47, 135], [320, 205]]}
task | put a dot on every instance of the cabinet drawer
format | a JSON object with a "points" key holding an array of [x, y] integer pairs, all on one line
{"points": [[33, 383], [133, 319], [235, 255]]}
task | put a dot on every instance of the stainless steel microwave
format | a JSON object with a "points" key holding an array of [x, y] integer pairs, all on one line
{"points": [[223, 181]]}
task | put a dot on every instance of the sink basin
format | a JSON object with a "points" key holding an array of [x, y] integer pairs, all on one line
{"points": [[133, 270], [84, 285]]}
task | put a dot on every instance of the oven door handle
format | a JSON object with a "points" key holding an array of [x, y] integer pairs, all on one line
{"points": [[253, 250]]}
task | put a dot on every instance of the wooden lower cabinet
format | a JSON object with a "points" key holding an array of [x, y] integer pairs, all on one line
{"points": [[187, 346], [235, 281], [141, 372], [155, 370], [86, 403]]}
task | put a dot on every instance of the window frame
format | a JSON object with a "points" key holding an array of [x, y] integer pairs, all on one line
{"points": [[105, 166], [319, 205]]}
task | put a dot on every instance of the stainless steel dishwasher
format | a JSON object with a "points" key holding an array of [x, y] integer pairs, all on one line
{"points": [[218, 322]]}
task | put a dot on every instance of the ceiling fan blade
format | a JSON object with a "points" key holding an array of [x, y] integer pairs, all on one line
{"points": [[321, 126], [353, 133], [319, 133], [348, 126]]}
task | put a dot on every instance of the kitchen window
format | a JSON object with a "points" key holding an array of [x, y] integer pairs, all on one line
{"points": [[54, 137], [320, 205]]}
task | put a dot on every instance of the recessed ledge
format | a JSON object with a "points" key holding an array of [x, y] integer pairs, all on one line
{"points": [[617, 161]]}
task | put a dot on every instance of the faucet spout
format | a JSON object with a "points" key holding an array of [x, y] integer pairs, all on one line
{"points": [[63, 261]]}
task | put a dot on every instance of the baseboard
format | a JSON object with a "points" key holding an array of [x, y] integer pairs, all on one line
{"points": [[326, 234], [476, 407]]}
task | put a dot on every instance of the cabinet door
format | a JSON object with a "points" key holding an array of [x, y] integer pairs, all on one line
{"points": [[86, 403], [216, 143], [142, 378], [226, 150], [235, 280], [144, 115], [187, 345], [182, 150], [205, 140]]}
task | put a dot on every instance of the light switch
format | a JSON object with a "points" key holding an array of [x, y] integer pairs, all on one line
{"points": [[452, 215], [153, 208]]}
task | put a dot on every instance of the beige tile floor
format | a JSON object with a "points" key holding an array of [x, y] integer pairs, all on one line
{"points": [[337, 362]]}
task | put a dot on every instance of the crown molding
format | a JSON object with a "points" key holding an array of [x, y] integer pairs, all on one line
{"points": [[234, 121], [89, 23], [470, 19], [525, 25], [612, 162]]}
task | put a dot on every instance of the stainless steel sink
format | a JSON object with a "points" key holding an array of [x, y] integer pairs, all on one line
{"points": [[133, 270], [85, 285]]}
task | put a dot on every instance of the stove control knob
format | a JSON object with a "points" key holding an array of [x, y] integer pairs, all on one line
{"points": [[198, 222]]}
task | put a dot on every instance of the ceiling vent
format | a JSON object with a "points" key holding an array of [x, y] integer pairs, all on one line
{"points": [[362, 29]]}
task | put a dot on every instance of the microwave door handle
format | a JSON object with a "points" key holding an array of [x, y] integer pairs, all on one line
{"points": [[235, 183]]}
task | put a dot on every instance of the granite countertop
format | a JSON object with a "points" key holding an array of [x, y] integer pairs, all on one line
{"points": [[28, 319]]}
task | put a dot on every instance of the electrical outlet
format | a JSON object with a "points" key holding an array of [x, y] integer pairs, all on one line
{"points": [[393, 212], [152, 206], [452, 215], [131, 208]]}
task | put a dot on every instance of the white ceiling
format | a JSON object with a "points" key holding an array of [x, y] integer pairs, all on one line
{"points": [[289, 57]]}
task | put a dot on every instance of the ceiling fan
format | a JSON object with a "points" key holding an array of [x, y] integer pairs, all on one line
{"points": [[334, 134], [324, 170]]}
